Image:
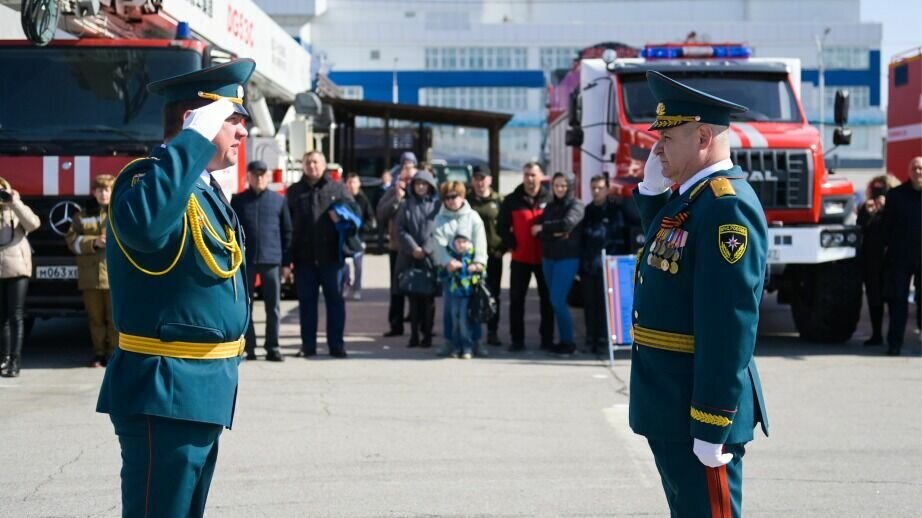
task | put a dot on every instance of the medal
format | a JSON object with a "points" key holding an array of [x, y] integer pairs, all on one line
{"points": [[664, 265], [674, 267]]}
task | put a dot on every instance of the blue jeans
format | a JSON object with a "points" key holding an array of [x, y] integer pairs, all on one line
{"points": [[448, 321], [559, 275], [354, 280], [462, 327], [309, 278]]}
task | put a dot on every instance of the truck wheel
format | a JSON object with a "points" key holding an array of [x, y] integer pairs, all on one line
{"points": [[826, 300]]}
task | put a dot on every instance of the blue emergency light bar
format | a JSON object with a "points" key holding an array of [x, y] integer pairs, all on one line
{"points": [[696, 51]]}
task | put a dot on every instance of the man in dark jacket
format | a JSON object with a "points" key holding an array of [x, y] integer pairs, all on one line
{"points": [[604, 227], [486, 202], [267, 226], [387, 209], [517, 215], [903, 232], [317, 252]]}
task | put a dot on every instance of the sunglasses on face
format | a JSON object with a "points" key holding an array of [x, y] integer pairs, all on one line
{"points": [[449, 197]]}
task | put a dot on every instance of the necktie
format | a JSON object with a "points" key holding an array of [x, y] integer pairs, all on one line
{"points": [[220, 192]]}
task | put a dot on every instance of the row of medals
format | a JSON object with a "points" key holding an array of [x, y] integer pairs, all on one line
{"points": [[667, 249]]}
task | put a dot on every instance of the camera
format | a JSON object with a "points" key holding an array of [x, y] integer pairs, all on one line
{"points": [[5, 196]]}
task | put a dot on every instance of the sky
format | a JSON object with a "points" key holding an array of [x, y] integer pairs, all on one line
{"points": [[902, 30]]}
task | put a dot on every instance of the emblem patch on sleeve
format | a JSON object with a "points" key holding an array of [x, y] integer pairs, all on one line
{"points": [[732, 241]]}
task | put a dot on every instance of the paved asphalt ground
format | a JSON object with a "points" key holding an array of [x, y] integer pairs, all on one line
{"points": [[395, 432]]}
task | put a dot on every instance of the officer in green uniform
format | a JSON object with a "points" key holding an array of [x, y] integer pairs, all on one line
{"points": [[179, 297], [695, 390]]}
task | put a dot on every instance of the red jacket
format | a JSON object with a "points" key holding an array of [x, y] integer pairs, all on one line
{"points": [[516, 217]]}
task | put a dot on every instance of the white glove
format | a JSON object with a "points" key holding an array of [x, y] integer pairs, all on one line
{"points": [[711, 455], [653, 180], [208, 119]]}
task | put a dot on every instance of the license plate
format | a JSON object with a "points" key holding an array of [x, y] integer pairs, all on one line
{"points": [[56, 273]]}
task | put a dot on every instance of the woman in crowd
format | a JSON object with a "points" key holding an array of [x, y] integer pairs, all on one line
{"points": [[415, 223], [16, 221], [871, 252], [556, 228], [457, 218]]}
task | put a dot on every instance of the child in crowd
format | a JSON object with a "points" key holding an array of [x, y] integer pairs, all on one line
{"points": [[462, 275]]}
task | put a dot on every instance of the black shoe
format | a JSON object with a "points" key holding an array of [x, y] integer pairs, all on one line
{"points": [[98, 361], [4, 364], [563, 349], [306, 354], [274, 356], [339, 354], [874, 340], [493, 340], [893, 351], [414, 342], [251, 356], [426, 343], [548, 347], [12, 368], [516, 348], [393, 332]]}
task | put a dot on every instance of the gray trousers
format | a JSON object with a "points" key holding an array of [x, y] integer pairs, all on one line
{"points": [[271, 291]]}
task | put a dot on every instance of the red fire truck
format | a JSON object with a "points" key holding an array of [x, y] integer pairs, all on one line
{"points": [[599, 112], [904, 111], [77, 107]]}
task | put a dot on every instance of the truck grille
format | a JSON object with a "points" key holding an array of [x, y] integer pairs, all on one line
{"points": [[782, 178]]}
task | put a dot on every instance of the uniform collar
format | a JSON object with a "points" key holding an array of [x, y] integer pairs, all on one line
{"points": [[707, 171]]}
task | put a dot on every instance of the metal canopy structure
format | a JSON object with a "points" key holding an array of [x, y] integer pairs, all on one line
{"points": [[346, 110]]}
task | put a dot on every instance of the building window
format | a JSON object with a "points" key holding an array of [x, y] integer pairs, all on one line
{"points": [[489, 99], [846, 58], [476, 58], [553, 58], [375, 55], [859, 96], [353, 92]]}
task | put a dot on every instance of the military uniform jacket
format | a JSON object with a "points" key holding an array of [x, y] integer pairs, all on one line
{"points": [[698, 285], [187, 304], [92, 273]]}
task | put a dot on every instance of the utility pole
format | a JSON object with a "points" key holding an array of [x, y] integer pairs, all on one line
{"points": [[820, 43]]}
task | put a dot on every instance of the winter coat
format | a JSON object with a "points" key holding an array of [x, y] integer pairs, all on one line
{"points": [[604, 227], [388, 207], [415, 223], [559, 236], [903, 227], [517, 215], [366, 213], [461, 282], [315, 238], [488, 208], [16, 221], [266, 224], [464, 221], [87, 225]]}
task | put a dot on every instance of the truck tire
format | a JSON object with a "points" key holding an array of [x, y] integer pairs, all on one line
{"points": [[826, 300]]}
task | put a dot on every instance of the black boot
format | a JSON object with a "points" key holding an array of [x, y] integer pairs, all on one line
{"points": [[13, 369], [4, 363]]}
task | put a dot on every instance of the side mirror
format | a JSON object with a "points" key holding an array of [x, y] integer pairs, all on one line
{"points": [[842, 137], [575, 110], [573, 137], [841, 107]]}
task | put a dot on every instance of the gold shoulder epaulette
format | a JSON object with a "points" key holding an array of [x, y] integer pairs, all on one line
{"points": [[721, 186]]}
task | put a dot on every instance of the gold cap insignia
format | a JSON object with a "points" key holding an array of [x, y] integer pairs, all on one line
{"points": [[660, 109]]}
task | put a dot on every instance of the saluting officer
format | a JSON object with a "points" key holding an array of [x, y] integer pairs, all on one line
{"points": [[695, 390], [179, 297]]}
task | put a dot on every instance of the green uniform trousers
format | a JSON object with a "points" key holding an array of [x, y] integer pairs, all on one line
{"points": [[102, 330], [167, 465], [694, 490]]}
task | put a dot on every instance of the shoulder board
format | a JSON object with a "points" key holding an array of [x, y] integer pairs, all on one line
{"points": [[125, 174], [721, 186]]}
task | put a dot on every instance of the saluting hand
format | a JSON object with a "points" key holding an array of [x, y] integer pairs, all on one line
{"points": [[653, 179], [207, 120]]}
